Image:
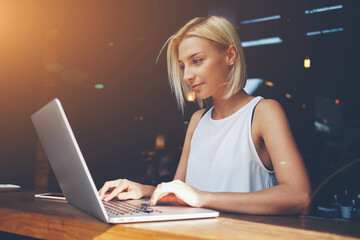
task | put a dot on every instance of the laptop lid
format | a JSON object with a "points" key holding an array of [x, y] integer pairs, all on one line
{"points": [[66, 159]]}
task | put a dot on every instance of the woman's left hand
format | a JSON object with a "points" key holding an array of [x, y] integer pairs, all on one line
{"points": [[178, 192]]}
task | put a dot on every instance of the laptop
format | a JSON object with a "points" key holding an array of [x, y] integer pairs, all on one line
{"points": [[76, 183]]}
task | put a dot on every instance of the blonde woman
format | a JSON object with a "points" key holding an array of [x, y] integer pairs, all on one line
{"points": [[239, 156]]}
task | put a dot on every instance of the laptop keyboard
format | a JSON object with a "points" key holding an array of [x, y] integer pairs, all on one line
{"points": [[118, 207]]}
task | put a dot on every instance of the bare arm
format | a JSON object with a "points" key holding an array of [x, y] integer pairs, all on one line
{"points": [[293, 192]]}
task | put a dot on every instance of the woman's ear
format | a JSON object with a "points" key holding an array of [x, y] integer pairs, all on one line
{"points": [[231, 54]]}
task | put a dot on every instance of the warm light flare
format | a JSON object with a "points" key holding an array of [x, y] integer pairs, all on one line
{"points": [[337, 101], [268, 83], [288, 95], [307, 62], [160, 142], [190, 96]]}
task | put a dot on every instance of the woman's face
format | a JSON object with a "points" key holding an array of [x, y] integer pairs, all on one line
{"points": [[205, 68]]}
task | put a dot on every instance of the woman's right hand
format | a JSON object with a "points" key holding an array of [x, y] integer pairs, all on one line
{"points": [[124, 189]]}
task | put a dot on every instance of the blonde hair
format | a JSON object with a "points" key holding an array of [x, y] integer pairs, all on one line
{"points": [[222, 34]]}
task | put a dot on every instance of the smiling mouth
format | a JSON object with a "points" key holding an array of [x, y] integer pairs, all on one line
{"points": [[196, 86]]}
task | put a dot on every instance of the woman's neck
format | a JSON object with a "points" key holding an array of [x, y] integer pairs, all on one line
{"points": [[225, 107]]}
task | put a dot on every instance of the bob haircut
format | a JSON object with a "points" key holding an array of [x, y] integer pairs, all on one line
{"points": [[222, 34]]}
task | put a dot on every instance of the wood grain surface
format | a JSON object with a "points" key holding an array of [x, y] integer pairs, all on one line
{"points": [[21, 213]]}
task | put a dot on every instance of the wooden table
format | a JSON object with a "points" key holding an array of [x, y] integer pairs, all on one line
{"points": [[21, 213]]}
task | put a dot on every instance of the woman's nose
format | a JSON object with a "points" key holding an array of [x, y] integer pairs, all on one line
{"points": [[188, 77]]}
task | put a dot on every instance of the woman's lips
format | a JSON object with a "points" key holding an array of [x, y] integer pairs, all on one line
{"points": [[196, 86]]}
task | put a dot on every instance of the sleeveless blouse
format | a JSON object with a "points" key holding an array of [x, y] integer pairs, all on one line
{"points": [[223, 157]]}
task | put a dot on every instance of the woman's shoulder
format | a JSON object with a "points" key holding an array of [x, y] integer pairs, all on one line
{"points": [[268, 114], [195, 119], [268, 111], [198, 115], [268, 106]]}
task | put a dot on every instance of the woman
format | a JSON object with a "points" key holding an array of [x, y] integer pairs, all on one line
{"points": [[232, 152]]}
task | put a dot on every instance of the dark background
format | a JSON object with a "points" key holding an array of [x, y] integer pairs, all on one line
{"points": [[116, 43]]}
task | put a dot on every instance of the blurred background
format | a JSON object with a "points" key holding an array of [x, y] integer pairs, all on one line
{"points": [[99, 59]]}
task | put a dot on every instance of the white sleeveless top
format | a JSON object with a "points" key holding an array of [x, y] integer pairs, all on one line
{"points": [[223, 157]]}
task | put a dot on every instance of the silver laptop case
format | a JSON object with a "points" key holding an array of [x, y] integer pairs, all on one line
{"points": [[74, 177]]}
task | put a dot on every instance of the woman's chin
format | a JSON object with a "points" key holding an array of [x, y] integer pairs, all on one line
{"points": [[202, 96]]}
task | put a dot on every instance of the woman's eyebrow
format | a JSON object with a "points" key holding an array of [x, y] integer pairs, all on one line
{"points": [[191, 56]]}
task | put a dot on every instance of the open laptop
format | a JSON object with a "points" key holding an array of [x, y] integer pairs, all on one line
{"points": [[76, 182]]}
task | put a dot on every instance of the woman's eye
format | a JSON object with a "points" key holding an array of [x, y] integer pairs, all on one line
{"points": [[197, 60], [182, 67]]}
